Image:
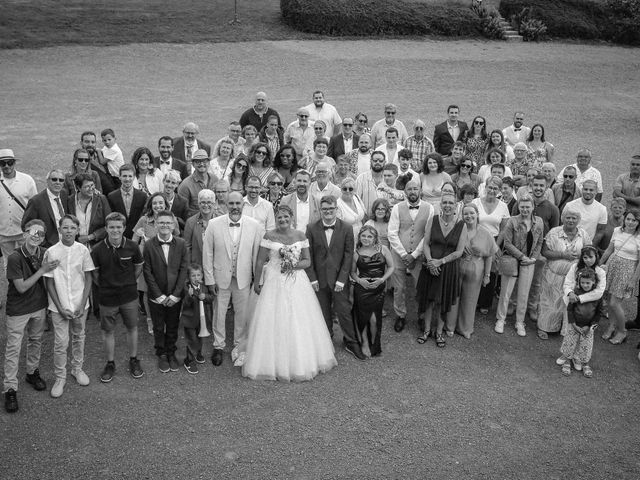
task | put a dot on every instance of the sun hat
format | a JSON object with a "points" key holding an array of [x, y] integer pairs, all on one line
{"points": [[6, 154]]}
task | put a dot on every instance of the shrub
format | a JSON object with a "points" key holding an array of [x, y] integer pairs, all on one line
{"points": [[532, 29], [373, 17], [489, 21]]}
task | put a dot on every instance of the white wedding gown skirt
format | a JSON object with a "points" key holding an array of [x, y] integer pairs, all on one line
{"points": [[288, 339]]}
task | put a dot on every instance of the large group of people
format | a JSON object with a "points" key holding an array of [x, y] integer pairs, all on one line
{"points": [[286, 230]]}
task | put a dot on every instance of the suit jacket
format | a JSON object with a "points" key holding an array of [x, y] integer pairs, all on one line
{"points": [[442, 139], [314, 208], [39, 207], [176, 164], [217, 251], [180, 209], [330, 263], [165, 278], [178, 149], [336, 146], [99, 210], [193, 236], [138, 201]]}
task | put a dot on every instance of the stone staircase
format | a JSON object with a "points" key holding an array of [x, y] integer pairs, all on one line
{"points": [[510, 35]]}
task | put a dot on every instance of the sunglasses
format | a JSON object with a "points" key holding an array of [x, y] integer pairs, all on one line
{"points": [[362, 120], [4, 163], [279, 184], [82, 160], [327, 209], [419, 128], [261, 152], [348, 189], [464, 165], [568, 176], [478, 122], [57, 179], [318, 129], [303, 116], [37, 233], [347, 124], [390, 113]]}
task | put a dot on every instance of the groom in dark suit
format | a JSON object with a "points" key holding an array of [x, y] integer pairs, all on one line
{"points": [[331, 251], [449, 132]]}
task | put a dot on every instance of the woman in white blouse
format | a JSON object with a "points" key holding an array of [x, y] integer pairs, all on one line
{"points": [[351, 210], [148, 178]]}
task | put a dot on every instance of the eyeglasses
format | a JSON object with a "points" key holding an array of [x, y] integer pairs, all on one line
{"points": [[4, 163], [303, 116], [362, 120], [569, 176], [206, 202], [279, 184], [478, 122], [348, 189], [347, 124], [261, 152], [57, 179], [390, 113], [327, 209], [83, 160], [464, 165]]}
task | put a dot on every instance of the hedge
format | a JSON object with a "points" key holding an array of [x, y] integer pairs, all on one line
{"points": [[583, 19], [377, 17]]}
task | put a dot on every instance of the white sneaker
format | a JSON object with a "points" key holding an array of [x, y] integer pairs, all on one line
{"points": [[149, 325], [81, 377], [499, 328], [577, 366], [561, 360], [520, 330], [58, 387]]}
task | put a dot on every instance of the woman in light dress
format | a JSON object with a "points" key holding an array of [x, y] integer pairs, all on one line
{"points": [[432, 178], [351, 210]]}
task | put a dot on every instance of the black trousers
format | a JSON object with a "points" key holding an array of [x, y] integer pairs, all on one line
{"points": [[165, 327]]}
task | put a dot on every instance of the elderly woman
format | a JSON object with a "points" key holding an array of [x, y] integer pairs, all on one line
{"points": [[475, 269], [260, 163], [561, 248], [286, 164], [464, 174], [549, 171], [520, 164], [438, 286], [320, 129], [148, 178], [351, 210], [476, 140], [433, 178], [90, 208], [523, 235], [361, 125], [380, 215], [492, 215], [540, 150], [80, 164], [342, 170], [319, 155], [275, 190], [196, 225], [220, 164]]}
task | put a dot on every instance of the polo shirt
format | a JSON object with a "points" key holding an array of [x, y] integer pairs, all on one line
{"points": [[116, 270], [35, 298]]}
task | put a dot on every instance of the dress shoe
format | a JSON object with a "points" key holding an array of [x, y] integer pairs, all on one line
{"points": [[36, 381], [400, 323], [11, 401], [355, 350], [58, 387], [217, 357]]}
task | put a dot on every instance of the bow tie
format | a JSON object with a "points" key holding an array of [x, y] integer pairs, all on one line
{"points": [[166, 163], [329, 227], [414, 207], [166, 243], [517, 129], [232, 224]]}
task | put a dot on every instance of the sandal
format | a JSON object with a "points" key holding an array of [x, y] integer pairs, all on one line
{"points": [[587, 371], [566, 369], [542, 335], [440, 342], [423, 338]]}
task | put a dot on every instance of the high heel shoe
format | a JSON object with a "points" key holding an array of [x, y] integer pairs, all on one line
{"points": [[609, 332], [618, 338], [423, 338]]}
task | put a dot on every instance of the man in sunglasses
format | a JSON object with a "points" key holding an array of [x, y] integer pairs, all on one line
{"points": [[343, 142], [48, 206], [379, 128], [16, 190], [567, 190]]}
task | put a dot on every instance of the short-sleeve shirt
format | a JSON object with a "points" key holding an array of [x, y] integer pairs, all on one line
{"points": [[492, 221], [116, 271], [69, 275], [21, 265], [626, 245], [628, 185], [591, 215]]}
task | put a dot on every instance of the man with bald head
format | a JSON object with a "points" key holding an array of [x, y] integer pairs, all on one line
{"points": [[585, 171], [419, 144], [185, 146], [299, 133], [259, 113]]}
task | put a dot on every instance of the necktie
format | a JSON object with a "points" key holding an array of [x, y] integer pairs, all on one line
{"points": [[329, 227], [231, 224], [414, 207], [60, 209], [126, 197], [189, 153]]}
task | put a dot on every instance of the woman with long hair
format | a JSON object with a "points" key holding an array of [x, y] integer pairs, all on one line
{"points": [[496, 140], [464, 174], [379, 219], [540, 151], [286, 164], [260, 163], [433, 178], [351, 210], [81, 164], [148, 178], [238, 174], [220, 164], [476, 140]]}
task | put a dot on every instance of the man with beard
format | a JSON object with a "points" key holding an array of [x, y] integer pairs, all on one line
{"points": [[367, 183], [98, 164], [593, 215], [449, 131], [185, 147], [198, 180], [305, 207], [406, 234], [229, 252], [585, 172], [299, 134], [165, 162], [516, 132], [320, 110], [258, 208], [360, 158], [259, 114]]}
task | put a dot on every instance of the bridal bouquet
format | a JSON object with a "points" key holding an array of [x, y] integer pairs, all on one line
{"points": [[290, 255]]}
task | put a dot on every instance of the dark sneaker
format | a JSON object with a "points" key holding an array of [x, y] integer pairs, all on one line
{"points": [[355, 350], [399, 324], [11, 401], [200, 357], [190, 366], [217, 357], [108, 372], [36, 381], [173, 363], [134, 368], [163, 364]]}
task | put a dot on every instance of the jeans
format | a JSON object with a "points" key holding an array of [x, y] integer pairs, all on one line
{"points": [[524, 278], [34, 324], [61, 328]]}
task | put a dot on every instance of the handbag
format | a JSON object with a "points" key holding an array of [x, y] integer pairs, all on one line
{"points": [[508, 265]]}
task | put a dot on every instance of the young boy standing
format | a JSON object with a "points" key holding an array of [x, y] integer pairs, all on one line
{"points": [[118, 263], [26, 311], [69, 286]]}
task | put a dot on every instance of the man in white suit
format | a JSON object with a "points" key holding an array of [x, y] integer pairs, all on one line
{"points": [[229, 252]]}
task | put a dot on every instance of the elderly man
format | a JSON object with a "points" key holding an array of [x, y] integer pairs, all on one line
{"points": [[165, 162], [593, 213], [198, 180], [548, 169], [15, 192], [585, 172], [343, 142], [627, 185], [321, 110], [380, 127], [419, 144], [322, 185], [196, 225], [449, 131], [299, 134], [98, 163], [258, 208], [187, 145], [564, 192], [360, 158], [233, 133], [368, 182], [391, 147], [259, 114], [516, 132]]}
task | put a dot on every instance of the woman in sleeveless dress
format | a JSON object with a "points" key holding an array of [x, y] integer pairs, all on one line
{"points": [[372, 266], [288, 338]]}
